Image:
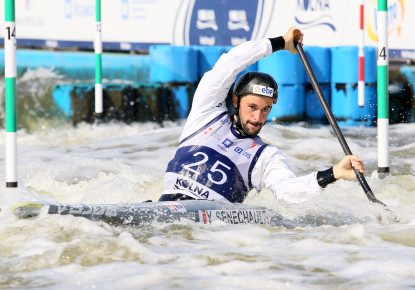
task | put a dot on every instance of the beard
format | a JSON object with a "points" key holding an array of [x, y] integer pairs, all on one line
{"points": [[249, 130]]}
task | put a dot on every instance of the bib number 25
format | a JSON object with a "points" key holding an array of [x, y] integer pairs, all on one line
{"points": [[218, 168]]}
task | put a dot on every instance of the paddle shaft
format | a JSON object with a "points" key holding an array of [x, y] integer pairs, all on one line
{"points": [[330, 117]]}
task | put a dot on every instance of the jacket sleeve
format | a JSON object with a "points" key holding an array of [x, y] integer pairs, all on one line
{"points": [[272, 171], [210, 96]]}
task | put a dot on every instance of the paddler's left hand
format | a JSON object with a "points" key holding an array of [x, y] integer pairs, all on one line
{"points": [[289, 39], [344, 169]]}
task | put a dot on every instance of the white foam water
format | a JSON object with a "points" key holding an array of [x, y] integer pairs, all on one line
{"points": [[342, 240]]}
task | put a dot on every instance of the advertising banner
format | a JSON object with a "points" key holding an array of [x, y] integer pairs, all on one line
{"points": [[134, 25]]}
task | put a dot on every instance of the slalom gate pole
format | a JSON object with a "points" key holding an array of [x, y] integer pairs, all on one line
{"points": [[330, 116], [10, 73], [383, 79], [98, 62], [361, 56]]}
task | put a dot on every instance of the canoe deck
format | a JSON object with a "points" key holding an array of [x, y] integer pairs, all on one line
{"points": [[200, 211]]}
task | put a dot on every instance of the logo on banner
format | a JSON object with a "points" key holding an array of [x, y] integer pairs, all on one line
{"points": [[221, 22], [125, 9], [78, 9], [206, 19], [238, 20], [312, 13], [28, 5], [396, 14]]}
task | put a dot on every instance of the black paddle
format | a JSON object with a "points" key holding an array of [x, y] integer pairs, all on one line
{"points": [[330, 116]]}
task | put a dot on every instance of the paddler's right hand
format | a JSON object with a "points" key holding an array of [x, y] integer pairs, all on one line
{"points": [[344, 169]]}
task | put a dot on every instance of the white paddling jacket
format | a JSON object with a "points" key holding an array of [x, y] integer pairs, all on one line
{"points": [[213, 160]]}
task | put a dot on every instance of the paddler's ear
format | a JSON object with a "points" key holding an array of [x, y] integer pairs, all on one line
{"points": [[235, 100]]}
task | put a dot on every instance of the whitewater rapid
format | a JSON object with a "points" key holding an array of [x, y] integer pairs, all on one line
{"points": [[342, 240]]}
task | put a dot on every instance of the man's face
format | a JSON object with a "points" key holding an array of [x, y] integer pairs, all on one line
{"points": [[253, 112]]}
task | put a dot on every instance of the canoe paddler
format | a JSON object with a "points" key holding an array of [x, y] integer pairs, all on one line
{"points": [[220, 156]]}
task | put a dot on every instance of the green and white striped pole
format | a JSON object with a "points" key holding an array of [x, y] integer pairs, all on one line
{"points": [[98, 63], [10, 73], [383, 80]]}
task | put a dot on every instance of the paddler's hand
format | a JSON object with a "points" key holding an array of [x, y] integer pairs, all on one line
{"points": [[289, 40], [344, 169]]}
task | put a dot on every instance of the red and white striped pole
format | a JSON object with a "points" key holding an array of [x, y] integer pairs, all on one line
{"points": [[361, 83]]}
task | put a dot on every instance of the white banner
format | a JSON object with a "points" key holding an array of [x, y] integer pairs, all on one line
{"points": [[136, 24]]}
